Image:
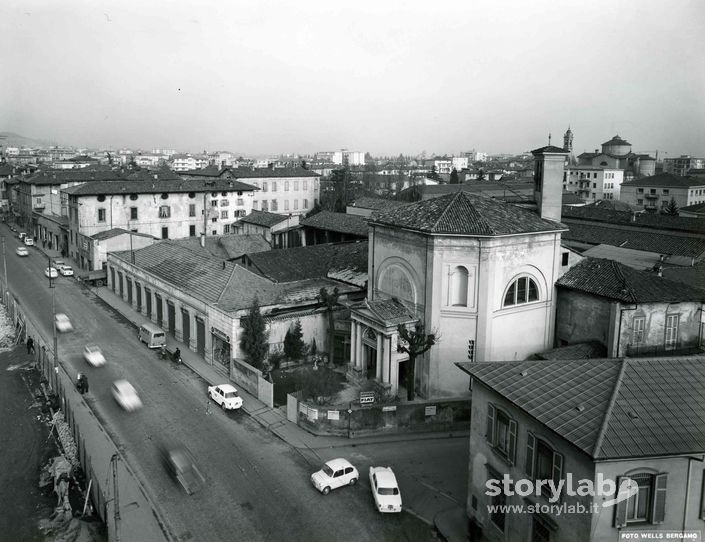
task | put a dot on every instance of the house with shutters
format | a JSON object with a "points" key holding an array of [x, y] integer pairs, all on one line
{"points": [[635, 422]]}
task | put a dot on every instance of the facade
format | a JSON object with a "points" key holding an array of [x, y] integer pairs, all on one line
{"points": [[593, 183], [342, 157], [654, 193], [162, 209], [682, 165], [572, 421], [478, 270], [185, 162], [630, 312]]}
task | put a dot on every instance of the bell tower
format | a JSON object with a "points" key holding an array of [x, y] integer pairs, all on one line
{"points": [[568, 141]]}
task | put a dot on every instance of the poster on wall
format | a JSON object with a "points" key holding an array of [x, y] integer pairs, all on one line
{"points": [[333, 415]]}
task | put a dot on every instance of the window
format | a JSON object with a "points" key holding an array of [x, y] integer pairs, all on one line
{"points": [[164, 212], [274, 186], [471, 350], [101, 215], [501, 432], [638, 330], [286, 186], [265, 205], [223, 214], [165, 233], [648, 505], [101, 198], [305, 183], [498, 502], [640, 190], [564, 258], [640, 202], [254, 205], [296, 185], [543, 463], [226, 228], [522, 290], [274, 205], [458, 287], [192, 195], [214, 203], [165, 196], [133, 213], [665, 191], [540, 531], [133, 197], [192, 231], [240, 201], [224, 194], [671, 339], [192, 209], [264, 187], [224, 202], [594, 185], [305, 204], [214, 220], [286, 205]]}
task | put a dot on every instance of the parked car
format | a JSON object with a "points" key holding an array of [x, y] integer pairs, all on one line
{"points": [[226, 396], [22, 251], [28, 241], [334, 474], [51, 272], [21, 235], [385, 489], [181, 465], [126, 395], [93, 355], [62, 322], [66, 270], [58, 263]]}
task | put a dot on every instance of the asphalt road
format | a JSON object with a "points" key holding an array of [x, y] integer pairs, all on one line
{"points": [[257, 487]]}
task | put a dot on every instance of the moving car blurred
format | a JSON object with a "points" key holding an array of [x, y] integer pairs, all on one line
{"points": [[93, 355], [51, 272], [126, 395], [181, 465], [385, 489], [22, 251], [62, 322], [334, 474], [226, 396]]}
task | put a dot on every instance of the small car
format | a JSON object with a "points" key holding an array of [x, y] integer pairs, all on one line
{"points": [[93, 355], [21, 235], [28, 241], [226, 396], [126, 395], [51, 272], [58, 263], [385, 489], [22, 251], [181, 465], [62, 322], [334, 474], [66, 270]]}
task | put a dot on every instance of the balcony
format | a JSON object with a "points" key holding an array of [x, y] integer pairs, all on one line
{"points": [[651, 196]]}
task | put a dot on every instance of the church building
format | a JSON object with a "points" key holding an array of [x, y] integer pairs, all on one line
{"points": [[478, 272]]}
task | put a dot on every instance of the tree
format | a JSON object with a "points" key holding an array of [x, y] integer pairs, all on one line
{"points": [[671, 208], [318, 385], [454, 177], [293, 341], [415, 343], [339, 206], [303, 164], [254, 339], [330, 301]]}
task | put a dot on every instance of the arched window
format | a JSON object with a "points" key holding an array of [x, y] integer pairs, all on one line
{"points": [[459, 287], [522, 290]]}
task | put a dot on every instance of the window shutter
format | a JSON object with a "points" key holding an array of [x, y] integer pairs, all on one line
{"points": [[490, 423], [620, 509], [530, 447], [557, 467], [659, 510], [512, 448]]}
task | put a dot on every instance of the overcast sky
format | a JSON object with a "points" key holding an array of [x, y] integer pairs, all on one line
{"points": [[380, 76]]}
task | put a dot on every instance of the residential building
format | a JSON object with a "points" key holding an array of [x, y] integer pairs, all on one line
{"points": [[460, 162], [630, 312], [682, 165], [342, 157], [186, 162], [654, 193], [478, 270], [633, 422], [593, 183], [281, 231], [164, 209]]}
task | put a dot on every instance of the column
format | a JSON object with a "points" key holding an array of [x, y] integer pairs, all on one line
{"points": [[387, 342], [192, 330], [153, 302], [178, 321], [380, 358], [353, 346]]}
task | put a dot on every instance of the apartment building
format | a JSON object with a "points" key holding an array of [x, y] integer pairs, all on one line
{"points": [[654, 193], [593, 183], [682, 165]]}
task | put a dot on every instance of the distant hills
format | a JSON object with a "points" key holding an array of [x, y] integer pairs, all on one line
{"points": [[11, 139]]}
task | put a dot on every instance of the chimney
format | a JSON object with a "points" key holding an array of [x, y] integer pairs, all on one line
{"points": [[548, 181]]}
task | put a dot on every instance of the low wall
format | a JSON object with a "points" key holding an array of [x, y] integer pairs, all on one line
{"points": [[251, 379]]}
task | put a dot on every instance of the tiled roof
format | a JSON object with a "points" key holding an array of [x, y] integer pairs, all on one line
{"points": [[549, 149], [259, 173], [603, 213], [114, 232], [227, 247], [613, 280], [695, 208], [463, 213], [612, 205], [376, 204], [162, 174], [649, 241], [337, 222], [588, 350], [157, 186], [301, 263], [391, 312], [79, 175], [692, 276], [610, 409], [263, 218], [666, 180]]}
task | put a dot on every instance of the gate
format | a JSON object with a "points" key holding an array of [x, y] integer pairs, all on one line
{"points": [[148, 302], [138, 291], [186, 326], [200, 337], [129, 290], [159, 311]]}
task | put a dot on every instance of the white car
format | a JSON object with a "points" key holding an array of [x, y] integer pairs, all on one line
{"points": [[22, 251], [62, 322], [66, 270], [93, 355], [334, 474], [29, 241], [51, 272], [126, 395], [226, 396], [385, 489]]}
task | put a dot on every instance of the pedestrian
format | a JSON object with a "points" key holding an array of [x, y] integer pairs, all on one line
{"points": [[30, 345]]}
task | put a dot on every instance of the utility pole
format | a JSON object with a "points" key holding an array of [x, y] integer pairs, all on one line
{"points": [[116, 496]]}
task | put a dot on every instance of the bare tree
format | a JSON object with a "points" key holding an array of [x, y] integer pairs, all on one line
{"points": [[415, 343]]}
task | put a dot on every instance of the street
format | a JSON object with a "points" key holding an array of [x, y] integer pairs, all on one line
{"points": [[257, 486]]}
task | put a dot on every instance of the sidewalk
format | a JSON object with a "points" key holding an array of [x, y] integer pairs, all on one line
{"points": [[451, 522]]}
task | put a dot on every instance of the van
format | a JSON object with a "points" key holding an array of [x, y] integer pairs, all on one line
{"points": [[152, 336]]}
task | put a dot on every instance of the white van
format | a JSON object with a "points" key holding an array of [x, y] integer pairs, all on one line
{"points": [[151, 335]]}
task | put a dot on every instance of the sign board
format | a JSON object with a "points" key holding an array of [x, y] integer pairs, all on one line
{"points": [[312, 414], [430, 410], [333, 415], [367, 397], [392, 408]]}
